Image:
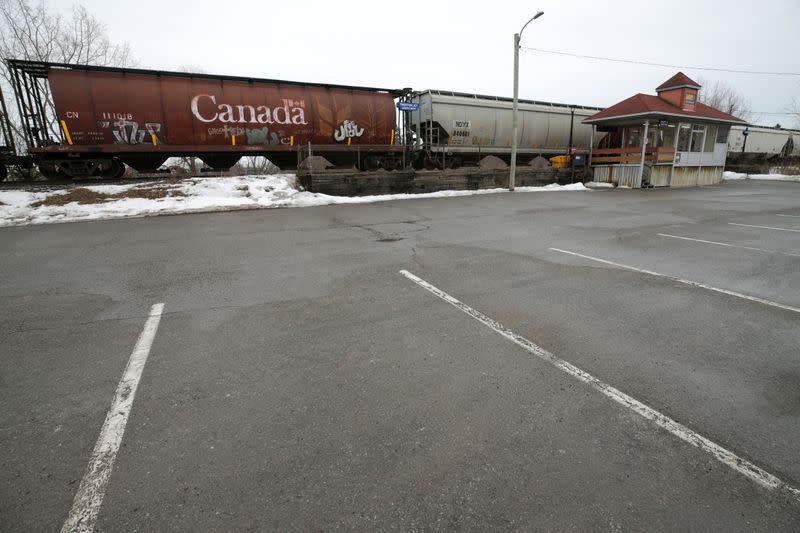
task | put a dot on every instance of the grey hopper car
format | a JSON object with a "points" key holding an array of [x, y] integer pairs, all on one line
{"points": [[764, 141], [470, 126]]}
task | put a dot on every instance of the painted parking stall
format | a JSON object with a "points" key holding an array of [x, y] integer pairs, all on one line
{"points": [[684, 281], [89, 498], [729, 245], [742, 466]]}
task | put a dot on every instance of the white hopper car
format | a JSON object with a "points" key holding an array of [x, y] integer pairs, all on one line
{"points": [[764, 141], [470, 126]]}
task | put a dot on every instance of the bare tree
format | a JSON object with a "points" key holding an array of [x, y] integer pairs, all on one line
{"points": [[191, 68], [30, 30], [725, 97], [258, 165], [794, 111]]}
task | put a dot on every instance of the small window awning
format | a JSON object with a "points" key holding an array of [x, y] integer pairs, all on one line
{"points": [[677, 81]]}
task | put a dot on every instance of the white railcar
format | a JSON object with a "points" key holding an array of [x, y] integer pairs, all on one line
{"points": [[464, 124], [764, 140]]}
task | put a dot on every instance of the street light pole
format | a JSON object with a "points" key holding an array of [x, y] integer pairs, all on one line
{"points": [[513, 171], [512, 176]]}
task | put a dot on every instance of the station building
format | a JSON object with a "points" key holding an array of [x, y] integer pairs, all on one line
{"points": [[662, 140]]}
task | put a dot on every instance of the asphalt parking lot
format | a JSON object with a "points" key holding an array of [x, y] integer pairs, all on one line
{"points": [[607, 360]]}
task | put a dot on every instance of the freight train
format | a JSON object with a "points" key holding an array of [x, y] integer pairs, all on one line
{"points": [[762, 149], [88, 121], [107, 118], [466, 127], [763, 142]]}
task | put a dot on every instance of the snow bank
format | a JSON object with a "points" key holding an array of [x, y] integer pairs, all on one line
{"points": [[599, 185], [773, 177], [728, 176], [200, 195]]}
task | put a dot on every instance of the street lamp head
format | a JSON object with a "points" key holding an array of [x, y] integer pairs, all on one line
{"points": [[536, 16]]}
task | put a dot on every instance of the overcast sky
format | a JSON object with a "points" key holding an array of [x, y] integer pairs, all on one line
{"points": [[467, 45]]}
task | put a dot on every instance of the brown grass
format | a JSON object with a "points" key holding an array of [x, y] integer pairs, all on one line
{"points": [[86, 196], [787, 170]]}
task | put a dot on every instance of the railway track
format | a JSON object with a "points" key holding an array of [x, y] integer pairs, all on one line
{"points": [[49, 185], [34, 186]]}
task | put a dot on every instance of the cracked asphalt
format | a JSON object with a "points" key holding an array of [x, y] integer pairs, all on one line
{"points": [[298, 382]]}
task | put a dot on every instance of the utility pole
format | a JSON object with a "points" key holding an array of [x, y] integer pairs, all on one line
{"points": [[513, 170], [570, 151], [644, 152]]}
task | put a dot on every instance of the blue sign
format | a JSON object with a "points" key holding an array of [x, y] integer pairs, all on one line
{"points": [[407, 106]]}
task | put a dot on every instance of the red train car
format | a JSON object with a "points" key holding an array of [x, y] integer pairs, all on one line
{"points": [[109, 116]]}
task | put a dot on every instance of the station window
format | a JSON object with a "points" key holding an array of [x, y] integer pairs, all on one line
{"points": [[722, 134], [711, 136], [655, 137], [668, 134], [633, 137], [697, 137], [684, 136]]}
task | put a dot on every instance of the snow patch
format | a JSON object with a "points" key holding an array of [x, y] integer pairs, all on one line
{"points": [[773, 177], [729, 176], [204, 194]]}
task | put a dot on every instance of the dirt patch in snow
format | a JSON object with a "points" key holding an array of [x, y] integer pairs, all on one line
{"points": [[85, 196]]}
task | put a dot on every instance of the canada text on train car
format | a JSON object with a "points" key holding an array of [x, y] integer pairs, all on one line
{"points": [[291, 112]]}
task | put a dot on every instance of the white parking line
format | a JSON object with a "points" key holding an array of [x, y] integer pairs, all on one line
{"points": [[89, 498], [790, 216], [729, 245], [685, 281], [764, 227], [744, 467]]}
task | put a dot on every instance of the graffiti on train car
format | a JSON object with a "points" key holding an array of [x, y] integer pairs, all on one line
{"points": [[346, 130], [255, 136], [266, 137], [127, 131]]}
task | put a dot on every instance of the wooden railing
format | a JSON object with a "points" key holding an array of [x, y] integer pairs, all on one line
{"points": [[616, 156]]}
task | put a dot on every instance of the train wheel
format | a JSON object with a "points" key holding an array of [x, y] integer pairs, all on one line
{"points": [[121, 170], [454, 162], [114, 171], [371, 162], [391, 163], [3, 172], [50, 171], [431, 163]]}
